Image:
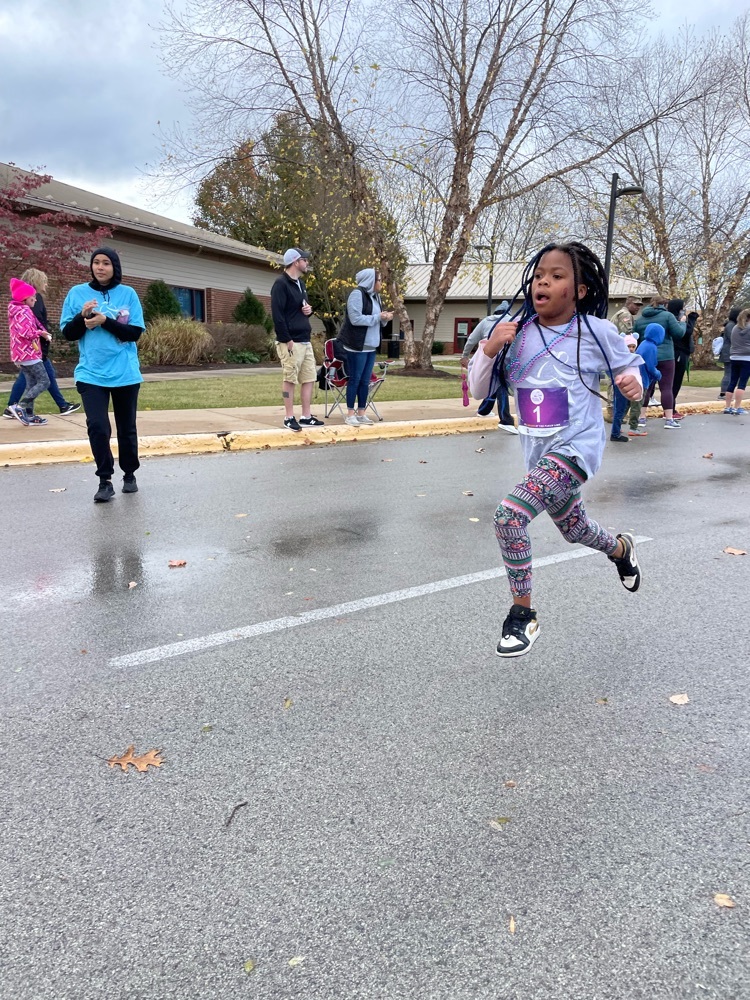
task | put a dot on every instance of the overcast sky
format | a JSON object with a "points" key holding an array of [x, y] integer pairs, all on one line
{"points": [[82, 91]]}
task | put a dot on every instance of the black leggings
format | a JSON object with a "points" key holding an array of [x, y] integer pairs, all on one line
{"points": [[665, 385], [681, 359], [95, 399]]}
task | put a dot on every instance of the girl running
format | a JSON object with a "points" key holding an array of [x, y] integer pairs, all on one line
{"points": [[552, 357]]}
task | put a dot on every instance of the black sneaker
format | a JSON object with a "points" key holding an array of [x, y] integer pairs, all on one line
{"points": [[291, 424], [627, 566], [69, 408], [620, 438], [7, 414], [311, 422], [520, 631], [129, 485], [105, 492]]}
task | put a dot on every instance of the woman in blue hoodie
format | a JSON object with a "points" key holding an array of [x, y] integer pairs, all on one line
{"points": [[105, 318], [360, 338]]}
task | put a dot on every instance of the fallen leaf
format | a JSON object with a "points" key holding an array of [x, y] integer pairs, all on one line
{"points": [[512, 925], [421, 494], [679, 699], [132, 584], [207, 728], [709, 454], [499, 822], [288, 703], [423, 461], [175, 563], [297, 960], [84, 650], [313, 570], [288, 593], [602, 701], [140, 763], [386, 459], [479, 451], [706, 768], [467, 493], [249, 966], [510, 784], [60, 489], [721, 899], [240, 515], [734, 552], [474, 519]]}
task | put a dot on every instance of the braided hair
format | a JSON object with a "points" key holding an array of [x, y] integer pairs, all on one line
{"points": [[588, 271]]}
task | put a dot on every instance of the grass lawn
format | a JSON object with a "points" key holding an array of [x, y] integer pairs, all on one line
{"points": [[265, 390]]}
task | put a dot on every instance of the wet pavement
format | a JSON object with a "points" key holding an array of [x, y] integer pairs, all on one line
{"points": [[374, 746]]}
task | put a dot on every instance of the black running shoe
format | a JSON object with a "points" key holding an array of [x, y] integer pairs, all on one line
{"points": [[105, 492], [70, 408], [620, 438], [311, 422], [291, 424], [129, 485], [627, 566], [520, 631]]}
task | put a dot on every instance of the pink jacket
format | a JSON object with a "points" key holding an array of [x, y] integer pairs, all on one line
{"points": [[25, 330]]}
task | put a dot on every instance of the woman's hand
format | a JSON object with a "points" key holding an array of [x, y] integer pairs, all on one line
{"points": [[502, 334], [386, 317], [629, 385], [96, 320], [87, 307]]}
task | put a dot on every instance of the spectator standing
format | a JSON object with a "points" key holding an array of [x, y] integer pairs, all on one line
{"points": [[740, 364], [38, 279], [481, 332], [291, 320], [25, 333], [683, 348], [657, 312], [105, 318], [725, 354], [623, 318], [360, 338]]}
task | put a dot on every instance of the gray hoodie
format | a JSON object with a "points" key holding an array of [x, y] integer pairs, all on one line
{"points": [[740, 344]]}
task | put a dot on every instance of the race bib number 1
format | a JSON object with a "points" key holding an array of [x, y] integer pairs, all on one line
{"points": [[543, 409]]}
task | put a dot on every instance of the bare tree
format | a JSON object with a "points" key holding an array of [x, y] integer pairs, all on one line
{"points": [[506, 92]]}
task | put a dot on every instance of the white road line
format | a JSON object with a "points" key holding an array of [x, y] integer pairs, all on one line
{"points": [[200, 643]]}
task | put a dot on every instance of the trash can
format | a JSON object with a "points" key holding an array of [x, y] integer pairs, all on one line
{"points": [[394, 349]]}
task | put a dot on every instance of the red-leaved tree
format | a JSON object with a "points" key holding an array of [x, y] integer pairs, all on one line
{"points": [[54, 242]]}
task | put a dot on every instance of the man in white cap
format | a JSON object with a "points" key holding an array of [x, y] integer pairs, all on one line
{"points": [[291, 310]]}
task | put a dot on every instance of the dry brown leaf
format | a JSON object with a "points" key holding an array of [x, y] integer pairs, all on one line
{"points": [[679, 699], [386, 459], [734, 552], [60, 489], [288, 703], [473, 518], [721, 899], [467, 493], [140, 763], [240, 515], [84, 650], [510, 784], [512, 925], [709, 454], [132, 584], [423, 461], [175, 563]]}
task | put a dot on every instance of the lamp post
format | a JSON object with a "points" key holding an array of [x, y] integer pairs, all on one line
{"points": [[491, 248], [615, 193]]}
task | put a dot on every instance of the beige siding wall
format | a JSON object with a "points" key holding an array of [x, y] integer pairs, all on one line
{"points": [[191, 270]]}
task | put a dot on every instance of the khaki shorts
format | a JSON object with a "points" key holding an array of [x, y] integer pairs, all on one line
{"points": [[298, 367]]}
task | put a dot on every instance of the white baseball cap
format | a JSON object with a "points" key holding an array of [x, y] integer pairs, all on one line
{"points": [[294, 254]]}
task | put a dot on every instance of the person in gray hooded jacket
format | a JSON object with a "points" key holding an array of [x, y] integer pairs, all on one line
{"points": [[360, 338]]}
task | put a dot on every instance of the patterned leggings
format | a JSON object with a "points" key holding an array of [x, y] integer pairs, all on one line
{"points": [[554, 485]]}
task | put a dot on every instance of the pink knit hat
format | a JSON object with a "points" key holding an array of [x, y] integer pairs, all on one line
{"points": [[20, 290], [630, 340]]}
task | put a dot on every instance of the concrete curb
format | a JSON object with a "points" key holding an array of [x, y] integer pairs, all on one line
{"points": [[48, 452], [51, 452]]}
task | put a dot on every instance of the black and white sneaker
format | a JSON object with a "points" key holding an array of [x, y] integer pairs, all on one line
{"points": [[520, 631], [627, 565], [69, 408], [7, 414], [105, 492], [311, 422], [291, 424]]}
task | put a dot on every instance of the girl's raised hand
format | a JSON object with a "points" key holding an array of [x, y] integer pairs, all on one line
{"points": [[502, 334], [629, 385]]}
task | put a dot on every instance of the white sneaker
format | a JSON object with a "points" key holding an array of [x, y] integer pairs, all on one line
{"points": [[671, 425], [362, 418], [352, 421], [509, 428]]}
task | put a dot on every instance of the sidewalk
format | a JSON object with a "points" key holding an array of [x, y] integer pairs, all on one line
{"points": [[173, 432]]}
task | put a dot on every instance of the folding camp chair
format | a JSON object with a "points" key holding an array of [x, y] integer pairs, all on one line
{"points": [[335, 380]]}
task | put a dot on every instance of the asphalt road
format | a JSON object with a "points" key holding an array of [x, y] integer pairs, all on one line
{"points": [[374, 747]]}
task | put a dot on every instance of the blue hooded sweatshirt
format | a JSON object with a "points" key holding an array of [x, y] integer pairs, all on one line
{"points": [[653, 335]]}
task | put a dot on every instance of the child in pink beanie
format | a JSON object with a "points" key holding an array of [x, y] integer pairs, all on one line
{"points": [[25, 351]]}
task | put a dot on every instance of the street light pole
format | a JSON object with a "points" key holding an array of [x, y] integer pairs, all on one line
{"points": [[614, 194], [491, 248]]}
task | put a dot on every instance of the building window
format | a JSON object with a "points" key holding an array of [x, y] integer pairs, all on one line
{"points": [[192, 302]]}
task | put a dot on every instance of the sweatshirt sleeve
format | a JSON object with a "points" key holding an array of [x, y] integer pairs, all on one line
{"points": [[126, 332], [480, 373], [354, 305], [478, 333], [675, 329], [278, 301]]}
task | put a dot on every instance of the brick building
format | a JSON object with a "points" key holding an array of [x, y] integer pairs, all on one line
{"points": [[207, 272]]}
